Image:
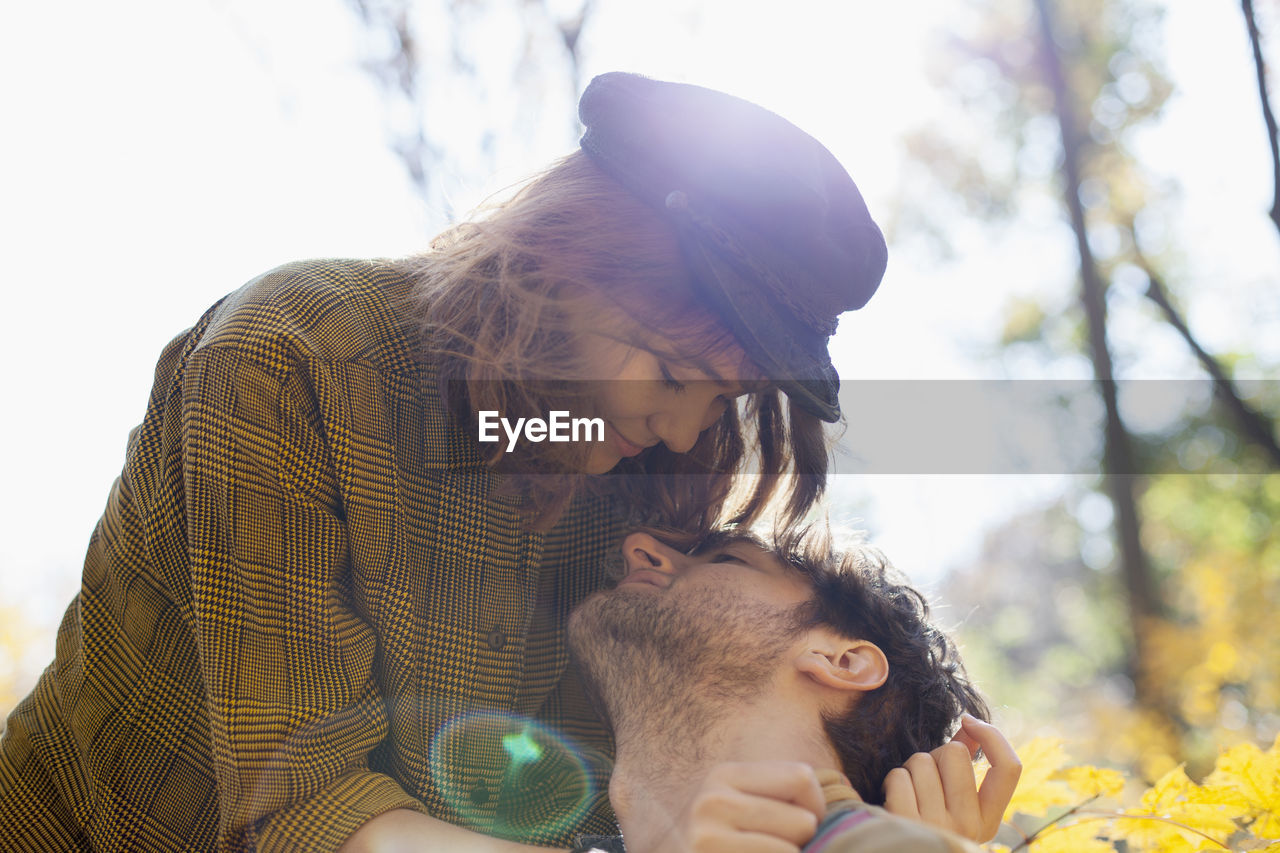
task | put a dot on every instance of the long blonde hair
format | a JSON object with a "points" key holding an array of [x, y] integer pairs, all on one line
{"points": [[500, 299]]}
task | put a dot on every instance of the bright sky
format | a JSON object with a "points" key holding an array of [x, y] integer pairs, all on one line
{"points": [[158, 154]]}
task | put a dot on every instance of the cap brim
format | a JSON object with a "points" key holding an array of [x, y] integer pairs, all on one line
{"points": [[798, 363]]}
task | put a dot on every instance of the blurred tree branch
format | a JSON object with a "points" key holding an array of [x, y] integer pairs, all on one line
{"points": [[1118, 457], [1273, 134], [1253, 425], [570, 31], [397, 71], [1037, 108], [415, 70]]}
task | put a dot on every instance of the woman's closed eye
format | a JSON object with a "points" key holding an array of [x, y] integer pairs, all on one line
{"points": [[670, 381]]}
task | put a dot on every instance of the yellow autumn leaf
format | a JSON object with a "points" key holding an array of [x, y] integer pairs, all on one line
{"points": [[1173, 817], [1073, 838], [1140, 832], [1089, 781], [1037, 790], [1253, 777]]}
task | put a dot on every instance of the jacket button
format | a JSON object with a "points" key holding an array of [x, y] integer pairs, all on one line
{"points": [[479, 794], [496, 639]]}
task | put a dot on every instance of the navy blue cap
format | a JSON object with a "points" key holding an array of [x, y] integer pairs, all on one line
{"points": [[777, 236]]}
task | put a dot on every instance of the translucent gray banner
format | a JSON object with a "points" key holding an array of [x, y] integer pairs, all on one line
{"points": [[1033, 427]]}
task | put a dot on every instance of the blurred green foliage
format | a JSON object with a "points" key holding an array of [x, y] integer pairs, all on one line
{"points": [[1045, 627]]}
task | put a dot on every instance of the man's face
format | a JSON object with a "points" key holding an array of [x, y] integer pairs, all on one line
{"points": [[735, 570], [681, 631]]}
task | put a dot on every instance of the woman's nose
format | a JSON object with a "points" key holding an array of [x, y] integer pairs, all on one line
{"points": [[642, 551], [680, 439], [679, 429]]}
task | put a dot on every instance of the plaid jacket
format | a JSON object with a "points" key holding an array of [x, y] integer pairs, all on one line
{"points": [[302, 574]]}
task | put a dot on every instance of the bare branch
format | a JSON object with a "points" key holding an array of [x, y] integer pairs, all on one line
{"points": [[1273, 135], [1253, 425], [570, 30], [408, 76]]}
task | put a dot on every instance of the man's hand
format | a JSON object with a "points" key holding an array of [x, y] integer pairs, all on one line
{"points": [[940, 788], [752, 807]]}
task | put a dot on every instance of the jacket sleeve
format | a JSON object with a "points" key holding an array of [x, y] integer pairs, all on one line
{"points": [[286, 655], [867, 829]]}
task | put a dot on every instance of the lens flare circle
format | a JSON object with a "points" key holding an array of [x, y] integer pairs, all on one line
{"points": [[511, 776]]}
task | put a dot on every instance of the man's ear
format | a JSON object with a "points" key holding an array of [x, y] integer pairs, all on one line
{"points": [[843, 664]]}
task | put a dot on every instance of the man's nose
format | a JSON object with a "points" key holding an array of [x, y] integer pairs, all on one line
{"points": [[642, 551]]}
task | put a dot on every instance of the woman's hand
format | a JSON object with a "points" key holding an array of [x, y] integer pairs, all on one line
{"points": [[751, 807], [940, 787]]}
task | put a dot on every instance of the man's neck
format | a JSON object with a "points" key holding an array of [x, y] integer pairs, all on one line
{"points": [[659, 769]]}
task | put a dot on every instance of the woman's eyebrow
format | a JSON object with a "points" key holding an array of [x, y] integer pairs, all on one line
{"points": [[709, 373], [746, 384]]}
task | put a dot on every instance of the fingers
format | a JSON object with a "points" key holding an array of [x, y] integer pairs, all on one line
{"points": [[747, 813], [1001, 780], [900, 795], [754, 807], [988, 737], [940, 787], [788, 781], [963, 737], [931, 800], [743, 844], [954, 764]]}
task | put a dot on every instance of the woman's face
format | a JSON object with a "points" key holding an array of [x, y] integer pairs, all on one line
{"points": [[645, 399]]}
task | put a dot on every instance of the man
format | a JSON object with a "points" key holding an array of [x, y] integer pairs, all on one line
{"points": [[735, 677]]}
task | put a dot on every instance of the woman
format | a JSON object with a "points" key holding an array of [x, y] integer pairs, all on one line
{"points": [[311, 563]]}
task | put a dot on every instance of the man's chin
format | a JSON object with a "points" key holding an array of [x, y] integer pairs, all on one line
{"points": [[614, 625], [608, 615]]}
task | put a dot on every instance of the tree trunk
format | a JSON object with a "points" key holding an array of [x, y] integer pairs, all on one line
{"points": [[1118, 461]]}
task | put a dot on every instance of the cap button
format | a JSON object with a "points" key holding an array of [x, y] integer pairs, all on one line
{"points": [[677, 200]]}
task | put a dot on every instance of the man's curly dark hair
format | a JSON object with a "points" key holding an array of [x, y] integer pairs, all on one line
{"points": [[859, 594]]}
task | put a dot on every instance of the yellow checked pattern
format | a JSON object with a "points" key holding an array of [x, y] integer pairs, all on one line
{"points": [[302, 573]]}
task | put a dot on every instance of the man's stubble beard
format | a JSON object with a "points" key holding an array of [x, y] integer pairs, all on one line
{"points": [[666, 666]]}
